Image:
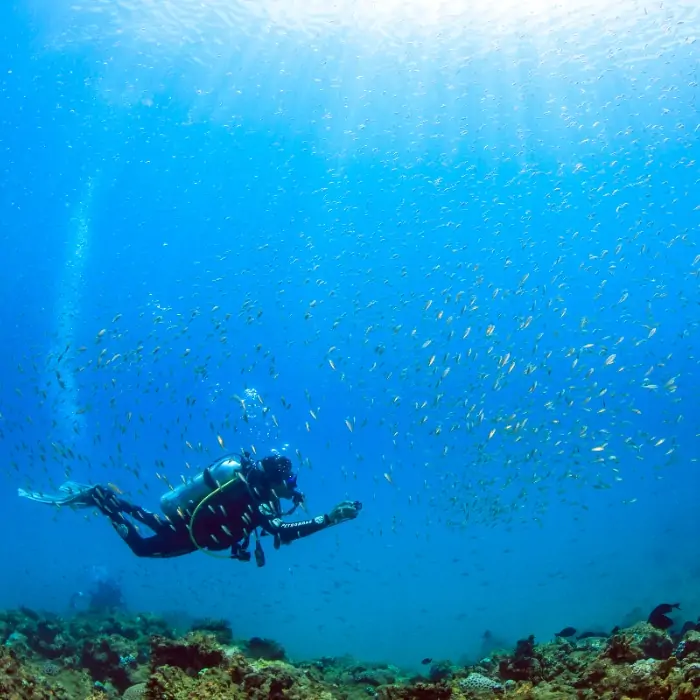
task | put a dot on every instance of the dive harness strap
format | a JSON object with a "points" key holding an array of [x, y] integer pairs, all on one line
{"points": [[239, 550]]}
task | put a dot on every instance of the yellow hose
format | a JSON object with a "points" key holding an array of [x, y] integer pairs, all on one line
{"points": [[194, 515]]}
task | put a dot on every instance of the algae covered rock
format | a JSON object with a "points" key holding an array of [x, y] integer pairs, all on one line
{"points": [[192, 654], [689, 647], [170, 683], [372, 675], [105, 658], [262, 648], [220, 629], [440, 671], [641, 641], [525, 664], [417, 691], [622, 648], [17, 682]]}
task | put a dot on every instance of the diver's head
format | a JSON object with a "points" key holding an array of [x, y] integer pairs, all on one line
{"points": [[280, 476]]}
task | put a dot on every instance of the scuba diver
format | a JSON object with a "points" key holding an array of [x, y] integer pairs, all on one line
{"points": [[221, 508]]}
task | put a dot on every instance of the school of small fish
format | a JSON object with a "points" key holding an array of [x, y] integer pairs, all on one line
{"points": [[513, 344], [511, 373]]}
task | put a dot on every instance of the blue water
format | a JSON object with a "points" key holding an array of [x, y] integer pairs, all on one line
{"points": [[199, 198]]}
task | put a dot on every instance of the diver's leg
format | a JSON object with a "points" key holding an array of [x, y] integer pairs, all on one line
{"points": [[167, 542], [110, 504], [77, 495]]}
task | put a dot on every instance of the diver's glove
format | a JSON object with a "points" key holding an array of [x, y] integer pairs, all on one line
{"points": [[346, 510]]}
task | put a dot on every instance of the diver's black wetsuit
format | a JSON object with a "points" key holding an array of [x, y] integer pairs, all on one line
{"points": [[224, 526]]}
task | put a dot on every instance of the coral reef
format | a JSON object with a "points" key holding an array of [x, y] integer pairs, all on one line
{"points": [[220, 629], [114, 655]]}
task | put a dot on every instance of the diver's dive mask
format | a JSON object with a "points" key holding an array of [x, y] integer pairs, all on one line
{"points": [[278, 469]]}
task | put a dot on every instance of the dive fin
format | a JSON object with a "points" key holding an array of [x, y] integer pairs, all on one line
{"points": [[71, 494]]}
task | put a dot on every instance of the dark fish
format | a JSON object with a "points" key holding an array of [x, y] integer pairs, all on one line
{"points": [[427, 660], [566, 632], [588, 635], [658, 617]]}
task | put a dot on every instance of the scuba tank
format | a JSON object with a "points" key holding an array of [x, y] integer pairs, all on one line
{"points": [[186, 497]]}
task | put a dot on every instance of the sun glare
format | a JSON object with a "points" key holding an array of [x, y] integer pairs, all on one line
{"points": [[411, 15]]}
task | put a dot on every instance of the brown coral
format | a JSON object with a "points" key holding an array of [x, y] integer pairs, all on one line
{"points": [[17, 683], [192, 654], [635, 663], [419, 691]]}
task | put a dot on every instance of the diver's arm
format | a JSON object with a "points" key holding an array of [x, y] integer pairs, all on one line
{"points": [[288, 532]]}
